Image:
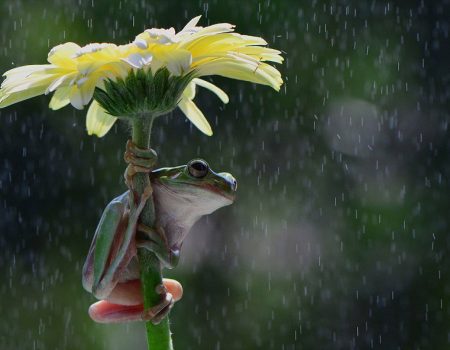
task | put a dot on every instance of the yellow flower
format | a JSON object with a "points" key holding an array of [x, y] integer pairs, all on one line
{"points": [[74, 72]]}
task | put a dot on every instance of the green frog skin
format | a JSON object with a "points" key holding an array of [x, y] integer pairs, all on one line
{"points": [[182, 195]]}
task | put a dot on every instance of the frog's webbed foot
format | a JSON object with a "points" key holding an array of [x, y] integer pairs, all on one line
{"points": [[156, 313], [155, 240], [139, 161]]}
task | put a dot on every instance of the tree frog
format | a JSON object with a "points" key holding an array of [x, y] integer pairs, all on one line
{"points": [[182, 195]]}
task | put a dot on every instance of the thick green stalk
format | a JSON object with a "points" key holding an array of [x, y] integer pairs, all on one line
{"points": [[158, 336]]}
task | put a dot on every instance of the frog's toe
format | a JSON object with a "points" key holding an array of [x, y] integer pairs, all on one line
{"points": [[173, 287], [106, 312], [158, 312]]}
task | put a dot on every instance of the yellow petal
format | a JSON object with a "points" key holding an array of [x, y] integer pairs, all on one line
{"points": [[68, 49], [252, 40], [177, 61], [9, 99], [225, 42], [189, 91], [213, 88], [60, 98], [195, 116], [241, 70], [98, 122], [62, 55], [263, 53]]}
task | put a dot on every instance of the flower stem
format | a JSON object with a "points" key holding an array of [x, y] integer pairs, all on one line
{"points": [[158, 336]]}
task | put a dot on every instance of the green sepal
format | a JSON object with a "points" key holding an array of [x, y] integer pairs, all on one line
{"points": [[142, 93]]}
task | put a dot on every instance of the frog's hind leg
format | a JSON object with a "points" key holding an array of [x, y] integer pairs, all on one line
{"points": [[125, 303], [99, 256]]}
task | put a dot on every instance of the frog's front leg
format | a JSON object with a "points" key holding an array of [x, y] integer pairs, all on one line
{"points": [[154, 239], [139, 161]]}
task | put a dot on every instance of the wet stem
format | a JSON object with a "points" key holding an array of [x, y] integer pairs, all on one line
{"points": [[158, 336]]}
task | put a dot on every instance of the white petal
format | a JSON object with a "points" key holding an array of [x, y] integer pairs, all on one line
{"points": [[192, 23], [138, 61], [98, 122], [178, 61], [17, 91], [141, 43], [91, 48], [58, 82], [80, 96], [25, 71], [76, 99], [161, 35], [213, 88], [213, 30], [81, 81], [28, 83], [195, 116]]}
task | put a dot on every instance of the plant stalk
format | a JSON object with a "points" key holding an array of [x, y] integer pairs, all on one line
{"points": [[158, 336]]}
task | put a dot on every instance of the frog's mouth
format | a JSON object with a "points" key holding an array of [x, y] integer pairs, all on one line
{"points": [[217, 189], [229, 193]]}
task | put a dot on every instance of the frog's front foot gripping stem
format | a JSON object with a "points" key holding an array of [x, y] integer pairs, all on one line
{"points": [[139, 161]]}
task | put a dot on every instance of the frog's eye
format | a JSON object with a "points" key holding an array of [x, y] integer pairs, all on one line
{"points": [[198, 168]]}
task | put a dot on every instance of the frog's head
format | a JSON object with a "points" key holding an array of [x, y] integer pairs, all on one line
{"points": [[195, 186], [183, 194]]}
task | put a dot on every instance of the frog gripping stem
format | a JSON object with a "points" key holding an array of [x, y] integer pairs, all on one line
{"points": [[142, 161], [156, 313], [139, 161]]}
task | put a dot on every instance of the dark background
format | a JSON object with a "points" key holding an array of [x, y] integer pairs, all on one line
{"points": [[339, 238]]}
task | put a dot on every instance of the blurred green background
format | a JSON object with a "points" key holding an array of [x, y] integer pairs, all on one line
{"points": [[339, 238]]}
